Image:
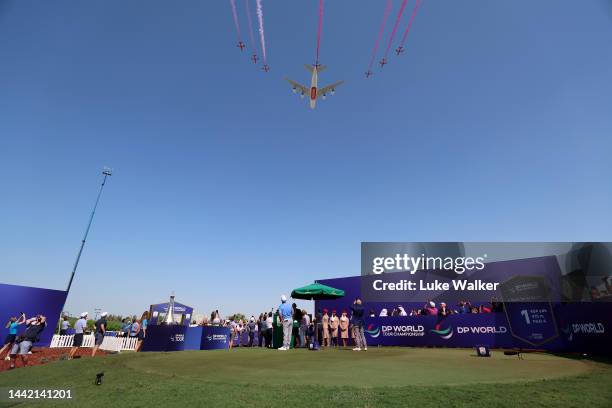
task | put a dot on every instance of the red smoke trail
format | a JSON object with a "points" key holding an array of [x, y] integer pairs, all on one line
{"points": [[262, 37], [397, 21], [248, 13], [380, 33], [320, 27], [405, 36], [235, 13]]}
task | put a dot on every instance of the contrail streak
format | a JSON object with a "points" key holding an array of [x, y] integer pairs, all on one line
{"points": [[235, 14], [397, 21], [248, 13], [414, 11], [262, 37], [319, 29], [380, 32]]}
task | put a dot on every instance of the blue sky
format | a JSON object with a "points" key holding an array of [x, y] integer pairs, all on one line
{"points": [[494, 125]]}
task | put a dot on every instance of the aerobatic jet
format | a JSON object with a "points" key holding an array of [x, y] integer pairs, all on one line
{"points": [[383, 62], [368, 73], [314, 91], [266, 68], [254, 58], [241, 45], [399, 50]]}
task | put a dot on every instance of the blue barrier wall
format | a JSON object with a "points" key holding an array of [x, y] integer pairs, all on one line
{"points": [[15, 299], [178, 338]]}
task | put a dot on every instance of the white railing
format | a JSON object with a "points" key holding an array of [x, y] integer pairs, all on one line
{"points": [[110, 343]]}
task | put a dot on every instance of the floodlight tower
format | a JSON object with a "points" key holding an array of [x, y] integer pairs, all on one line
{"points": [[106, 172]]}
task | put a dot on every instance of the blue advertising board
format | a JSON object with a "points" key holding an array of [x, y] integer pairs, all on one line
{"points": [[15, 299], [179, 338]]}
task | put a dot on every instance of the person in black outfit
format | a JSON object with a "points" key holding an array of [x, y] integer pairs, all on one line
{"points": [[295, 332]]}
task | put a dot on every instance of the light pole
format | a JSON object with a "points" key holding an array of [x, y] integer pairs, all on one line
{"points": [[106, 172]]}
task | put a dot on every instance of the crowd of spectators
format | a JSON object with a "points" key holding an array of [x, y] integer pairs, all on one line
{"points": [[430, 308]]}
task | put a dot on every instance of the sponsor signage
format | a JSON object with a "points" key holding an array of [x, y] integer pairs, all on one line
{"points": [[178, 338]]}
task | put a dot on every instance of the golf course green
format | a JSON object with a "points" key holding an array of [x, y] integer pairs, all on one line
{"points": [[378, 377]]}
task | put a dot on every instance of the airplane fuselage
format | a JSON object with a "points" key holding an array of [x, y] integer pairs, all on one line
{"points": [[313, 88]]}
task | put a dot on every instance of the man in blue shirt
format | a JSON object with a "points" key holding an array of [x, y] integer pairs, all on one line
{"points": [[286, 315]]}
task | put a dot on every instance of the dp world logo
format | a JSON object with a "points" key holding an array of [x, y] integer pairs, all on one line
{"points": [[443, 333], [373, 331]]}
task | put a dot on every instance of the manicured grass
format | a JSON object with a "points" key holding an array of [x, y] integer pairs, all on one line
{"points": [[379, 377]]}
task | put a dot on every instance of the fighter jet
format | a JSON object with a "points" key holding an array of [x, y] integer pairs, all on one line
{"points": [[314, 92]]}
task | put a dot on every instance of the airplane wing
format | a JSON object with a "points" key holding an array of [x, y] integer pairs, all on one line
{"points": [[297, 86], [326, 89]]}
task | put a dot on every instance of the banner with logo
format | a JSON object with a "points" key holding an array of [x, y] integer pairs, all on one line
{"points": [[179, 338], [15, 299], [555, 296], [454, 331], [583, 328]]}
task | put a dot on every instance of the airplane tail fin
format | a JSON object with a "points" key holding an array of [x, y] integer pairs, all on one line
{"points": [[309, 68]]}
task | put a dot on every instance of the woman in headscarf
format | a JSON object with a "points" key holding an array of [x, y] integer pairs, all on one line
{"points": [[344, 326]]}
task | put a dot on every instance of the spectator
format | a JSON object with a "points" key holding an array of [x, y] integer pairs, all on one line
{"points": [[484, 309], [268, 336], [357, 323], [233, 325], [464, 307], [334, 322], [64, 325], [401, 311], [141, 334], [304, 323], [101, 325], [430, 309], [126, 327], [319, 326], [79, 330], [251, 328], [23, 344], [443, 311], [11, 337], [372, 313], [384, 312], [286, 317], [310, 334], [415, 312], [474, 309], [325, 328], [144, 323], [216, 320], [344, 326], [260, 329], [295, 331], [497, 306]]}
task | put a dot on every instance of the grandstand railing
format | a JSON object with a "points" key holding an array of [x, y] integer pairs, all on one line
{"points": [[110, 343]]}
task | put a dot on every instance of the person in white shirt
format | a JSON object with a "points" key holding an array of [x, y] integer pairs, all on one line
{"points": [[268, 330], [79, 330]]}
